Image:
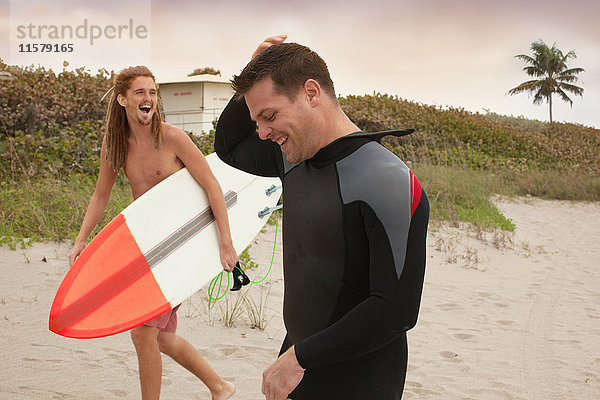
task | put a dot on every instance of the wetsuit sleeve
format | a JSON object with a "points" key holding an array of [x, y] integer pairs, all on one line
{"points": [[392, 304], [237, 143]]}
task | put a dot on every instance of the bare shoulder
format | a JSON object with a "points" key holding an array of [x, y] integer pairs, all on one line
{"points": [[171, 132], [177, 141], [174, 138]]}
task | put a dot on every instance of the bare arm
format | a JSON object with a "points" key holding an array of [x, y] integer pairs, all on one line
{"points": [[198, 166], [96, 206]]}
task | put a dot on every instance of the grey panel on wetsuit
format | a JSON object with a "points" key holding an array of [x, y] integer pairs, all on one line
{"points": [[374, 175]]}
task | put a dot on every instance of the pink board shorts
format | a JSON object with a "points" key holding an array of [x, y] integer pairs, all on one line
{"points": [[165, 322]]}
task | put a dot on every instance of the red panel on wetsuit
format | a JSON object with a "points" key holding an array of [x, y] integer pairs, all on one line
{"points": [[415, 193]]}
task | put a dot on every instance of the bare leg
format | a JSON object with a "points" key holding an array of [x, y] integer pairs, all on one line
{"points": [[145, 340], [186, 355]]}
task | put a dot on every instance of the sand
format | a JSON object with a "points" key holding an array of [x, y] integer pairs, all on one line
{"points": [[502, 317]]}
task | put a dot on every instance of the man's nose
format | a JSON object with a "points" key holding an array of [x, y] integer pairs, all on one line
{"points": [[264, 132]]}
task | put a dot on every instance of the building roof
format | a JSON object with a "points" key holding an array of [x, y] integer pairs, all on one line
{"points": [[194, 78]]}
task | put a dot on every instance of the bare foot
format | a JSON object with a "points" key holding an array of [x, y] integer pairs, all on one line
{"points": [[225, 392]]}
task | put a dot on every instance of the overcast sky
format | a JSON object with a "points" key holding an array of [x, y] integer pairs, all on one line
{"points": [[446, 53]]}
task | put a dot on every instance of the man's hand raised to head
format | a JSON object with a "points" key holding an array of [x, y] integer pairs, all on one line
{"points": [[268, 42]]}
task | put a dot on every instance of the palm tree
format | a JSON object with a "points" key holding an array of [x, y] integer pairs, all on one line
{"points": [[549, 66]]}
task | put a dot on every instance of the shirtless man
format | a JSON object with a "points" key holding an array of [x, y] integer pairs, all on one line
{"points": [[150, 151]]}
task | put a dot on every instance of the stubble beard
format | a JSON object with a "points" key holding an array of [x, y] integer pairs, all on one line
{"points": [[143, 122]]}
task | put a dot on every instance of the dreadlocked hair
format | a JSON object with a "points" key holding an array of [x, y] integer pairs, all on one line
{"points": [[117, 127]]}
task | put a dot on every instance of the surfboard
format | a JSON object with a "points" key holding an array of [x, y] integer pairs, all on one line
{"points": [[157, 252]]}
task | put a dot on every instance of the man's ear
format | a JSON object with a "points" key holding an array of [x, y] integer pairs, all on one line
{"points": [[313, 91], [122, 100]]}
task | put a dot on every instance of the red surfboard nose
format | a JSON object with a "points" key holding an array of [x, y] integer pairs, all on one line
{"points": [[93, 301]]}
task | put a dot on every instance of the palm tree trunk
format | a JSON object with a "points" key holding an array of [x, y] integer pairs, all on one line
{"points": [[550, 103]]}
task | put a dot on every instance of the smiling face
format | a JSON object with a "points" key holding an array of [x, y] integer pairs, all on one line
{"points": [[287, 122], [140, 100]]}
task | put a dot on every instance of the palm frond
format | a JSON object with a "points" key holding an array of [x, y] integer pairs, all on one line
{"points": [[573, 71], [576, 90], [528, 86], [534, 71], [564, 96], [526, 58], [566, 78], [570, 54], [539, 97]]}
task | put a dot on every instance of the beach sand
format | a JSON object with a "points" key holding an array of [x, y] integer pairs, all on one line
{"points": [[503, 316]]}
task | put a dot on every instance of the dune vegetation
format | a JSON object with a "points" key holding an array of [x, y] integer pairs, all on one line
{"points": [[51, 128]]}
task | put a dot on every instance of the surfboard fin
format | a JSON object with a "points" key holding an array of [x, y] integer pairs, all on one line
{"points": [[239, 278]]}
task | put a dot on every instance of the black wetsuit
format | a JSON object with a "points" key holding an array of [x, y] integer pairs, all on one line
{"points": [[354, 230]]}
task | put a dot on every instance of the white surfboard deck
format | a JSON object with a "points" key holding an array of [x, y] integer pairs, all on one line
{"points": [[157, 252]]}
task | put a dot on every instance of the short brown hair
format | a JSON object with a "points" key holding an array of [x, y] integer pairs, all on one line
{"points": [[289, 65], [117, 129]]}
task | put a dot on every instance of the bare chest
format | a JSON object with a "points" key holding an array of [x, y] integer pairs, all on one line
{"points": [[147, 166]]}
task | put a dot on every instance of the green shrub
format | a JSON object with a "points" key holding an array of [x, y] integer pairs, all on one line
{"points": [[51, 128], [457, 137]]}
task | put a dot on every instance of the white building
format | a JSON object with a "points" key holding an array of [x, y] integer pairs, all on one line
{"points": [[194, 102], [5, 76]]}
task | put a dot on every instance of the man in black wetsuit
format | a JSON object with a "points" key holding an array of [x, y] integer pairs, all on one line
{"points": [[354, 229]]}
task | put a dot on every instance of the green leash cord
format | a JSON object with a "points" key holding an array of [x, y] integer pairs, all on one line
{"points": [[274, 245], [217, 282], [211, 288]]}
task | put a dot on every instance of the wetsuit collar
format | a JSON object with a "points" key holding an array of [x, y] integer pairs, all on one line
{"points": [[346, 145], [379, 135]]}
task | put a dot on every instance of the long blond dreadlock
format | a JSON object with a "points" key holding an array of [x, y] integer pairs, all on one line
{"points": [[117, 130]]}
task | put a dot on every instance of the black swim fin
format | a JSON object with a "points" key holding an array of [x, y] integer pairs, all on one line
{"points": [[239, 278]]}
